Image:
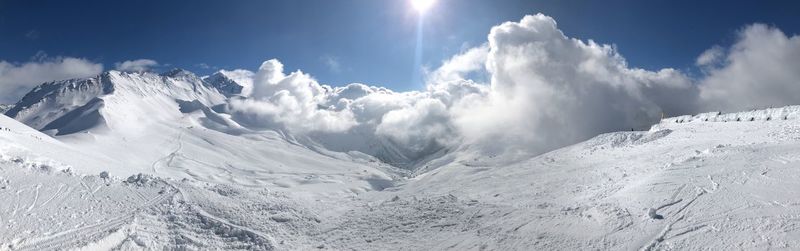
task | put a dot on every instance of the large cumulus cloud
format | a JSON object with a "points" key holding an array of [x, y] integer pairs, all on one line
{"points": [[548, 90]]}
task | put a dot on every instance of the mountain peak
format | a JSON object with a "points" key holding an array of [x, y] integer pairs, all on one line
{"points": [[4, 108], [224, 84], [231, 83], [177, 73]]}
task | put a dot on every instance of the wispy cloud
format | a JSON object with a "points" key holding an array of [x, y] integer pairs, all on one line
{"points": [[32, 34], [18, 78], [333, 63], [139, 65], [205, 66]]}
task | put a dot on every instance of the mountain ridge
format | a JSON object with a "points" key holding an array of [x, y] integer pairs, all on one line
{"points": [[116, 102], [55, 100]]}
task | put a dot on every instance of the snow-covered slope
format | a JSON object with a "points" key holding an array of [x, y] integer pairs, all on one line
{"points": [[165, 125], [47, 205], [22, 144], [691, 185]]}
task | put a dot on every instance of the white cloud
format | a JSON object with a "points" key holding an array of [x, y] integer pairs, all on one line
{"points": [[460, 66], [16, 79], [417, 126], [139, 65], [353, 117], [290, 102], [206, 66], [761, 69], [461, 76], [548, 90]]}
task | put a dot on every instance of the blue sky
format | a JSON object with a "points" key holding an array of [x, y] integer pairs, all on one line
{"points": [[370, 41]]}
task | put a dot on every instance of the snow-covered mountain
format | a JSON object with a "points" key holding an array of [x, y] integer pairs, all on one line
{"points": [[111, 99], [4, 108], [231, 83]]}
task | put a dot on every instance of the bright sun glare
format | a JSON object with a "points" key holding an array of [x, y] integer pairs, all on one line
{"points": [[422, 6]]}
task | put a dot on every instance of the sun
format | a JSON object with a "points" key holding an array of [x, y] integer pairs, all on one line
{"points": [[422, 6]]}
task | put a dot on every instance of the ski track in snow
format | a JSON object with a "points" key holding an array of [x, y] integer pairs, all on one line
{"points": [[669, 226], [72, 237], [171, 155], [35, 197], [57, 194]]}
